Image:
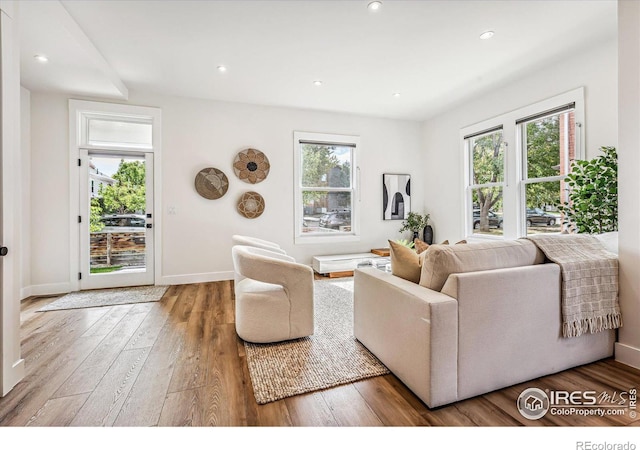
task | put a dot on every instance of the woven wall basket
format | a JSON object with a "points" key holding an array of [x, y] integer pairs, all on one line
{"points": [[211, 183], [251, 205], [251, 166]]}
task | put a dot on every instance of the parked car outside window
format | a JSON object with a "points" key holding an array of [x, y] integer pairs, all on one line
{"points": [[123, 222], [494, 219], [536, 216], [336, 219]]}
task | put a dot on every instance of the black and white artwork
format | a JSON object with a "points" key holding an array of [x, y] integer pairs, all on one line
{"points": [[396, 196]]}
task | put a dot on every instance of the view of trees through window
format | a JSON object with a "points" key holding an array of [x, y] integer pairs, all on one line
{"points": [[117, 233], [487, 175], [125, 194], [549, 148], [326, 187]]}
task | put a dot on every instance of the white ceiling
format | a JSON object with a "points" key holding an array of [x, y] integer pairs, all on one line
{"points": [[429, 51]]}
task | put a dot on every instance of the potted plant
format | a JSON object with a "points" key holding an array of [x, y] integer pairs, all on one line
{"points": [[593, 194], [416, 222]]}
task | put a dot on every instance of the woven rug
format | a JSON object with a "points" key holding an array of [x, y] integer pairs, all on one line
{"points": [[107, 297], [332, 356]]}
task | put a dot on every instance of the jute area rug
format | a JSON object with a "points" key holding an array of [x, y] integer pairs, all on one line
{"points": [[332, 356], [107, 297]]}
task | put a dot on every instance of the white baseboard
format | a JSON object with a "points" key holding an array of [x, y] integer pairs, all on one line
{"points": [[12, 377], [48, 289], [195, 278], [65, 288], [628, 355]]}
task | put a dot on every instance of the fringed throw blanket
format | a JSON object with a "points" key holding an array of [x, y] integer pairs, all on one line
{"points": [[589, 282]]}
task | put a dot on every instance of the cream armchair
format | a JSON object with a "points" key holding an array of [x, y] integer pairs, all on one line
{"points": [[250, 241], [256, 242], [274, 298]]}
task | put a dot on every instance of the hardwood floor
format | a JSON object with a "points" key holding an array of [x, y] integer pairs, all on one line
{"points": [[178, 362]]}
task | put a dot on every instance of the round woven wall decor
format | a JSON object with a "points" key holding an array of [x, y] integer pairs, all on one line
{"points": [[251, 166], [211, 183], [251, 205]]}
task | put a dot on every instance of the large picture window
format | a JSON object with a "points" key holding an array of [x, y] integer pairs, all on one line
{"points": [[325, 187]]}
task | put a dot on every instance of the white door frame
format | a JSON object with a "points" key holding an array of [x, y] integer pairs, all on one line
{"points": [[11, 362], [115, 279], [79, 111]]}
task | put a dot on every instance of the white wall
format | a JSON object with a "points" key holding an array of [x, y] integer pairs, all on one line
{"points": [[628, 347], [198, 134], [595, 69], [25, 185]]}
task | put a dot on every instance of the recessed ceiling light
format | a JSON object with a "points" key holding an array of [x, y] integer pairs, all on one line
{"points": [[318, 82], [41, 58], [396, 94], [222, 69], [487, 35], [374, 6]]}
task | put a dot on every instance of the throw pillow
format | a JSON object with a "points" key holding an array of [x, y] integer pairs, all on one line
{"points": [[464, 241], [405, 262], [445, 242], [420, 245]]}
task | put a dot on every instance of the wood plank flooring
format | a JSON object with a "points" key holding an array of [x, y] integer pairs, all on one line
{"points": [[179, 363]]}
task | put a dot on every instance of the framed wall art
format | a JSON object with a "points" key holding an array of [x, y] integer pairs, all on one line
{"points": [[396, 196]]}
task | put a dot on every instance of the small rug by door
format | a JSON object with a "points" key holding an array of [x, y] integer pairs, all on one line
{"points": [[106, 297], [332, 356]]}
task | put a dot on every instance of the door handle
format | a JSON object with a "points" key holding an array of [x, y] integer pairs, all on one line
{"points": [[4, 251]]}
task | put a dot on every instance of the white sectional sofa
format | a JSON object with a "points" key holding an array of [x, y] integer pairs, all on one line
{"points": [[491, 318]]}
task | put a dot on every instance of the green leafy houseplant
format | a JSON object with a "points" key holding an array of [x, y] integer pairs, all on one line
{"points": [[593, 194], [415, 222], [405, 242]]}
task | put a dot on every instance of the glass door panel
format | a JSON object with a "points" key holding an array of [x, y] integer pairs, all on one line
{"points": [[117, 222]]}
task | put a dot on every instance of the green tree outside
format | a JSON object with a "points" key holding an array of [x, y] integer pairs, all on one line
{"points": [[95, 224], [128, 194], [543, 160], [488, 167], [322, 168]]}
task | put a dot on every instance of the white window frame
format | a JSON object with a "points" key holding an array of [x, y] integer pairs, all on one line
{"points": [[525, 180], [470, 186], [335, 139], [80, 111], [514, 207]]}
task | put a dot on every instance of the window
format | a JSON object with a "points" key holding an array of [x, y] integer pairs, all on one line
{"points": [[486, 152], [515, 164], [326, 198], [105, 131], [548, 147]]}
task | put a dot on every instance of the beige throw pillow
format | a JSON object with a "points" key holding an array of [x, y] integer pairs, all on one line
{"points": [[420, 245], [405, 262]]}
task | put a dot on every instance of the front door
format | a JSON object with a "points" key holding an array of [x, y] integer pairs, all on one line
{"points": [[116, 219]]}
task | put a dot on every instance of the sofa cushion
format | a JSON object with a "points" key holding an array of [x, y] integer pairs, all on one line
{"points": [[405, 262], [443, 260]]}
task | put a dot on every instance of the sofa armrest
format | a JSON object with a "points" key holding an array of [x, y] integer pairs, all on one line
{"points": [[411, 329]]}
